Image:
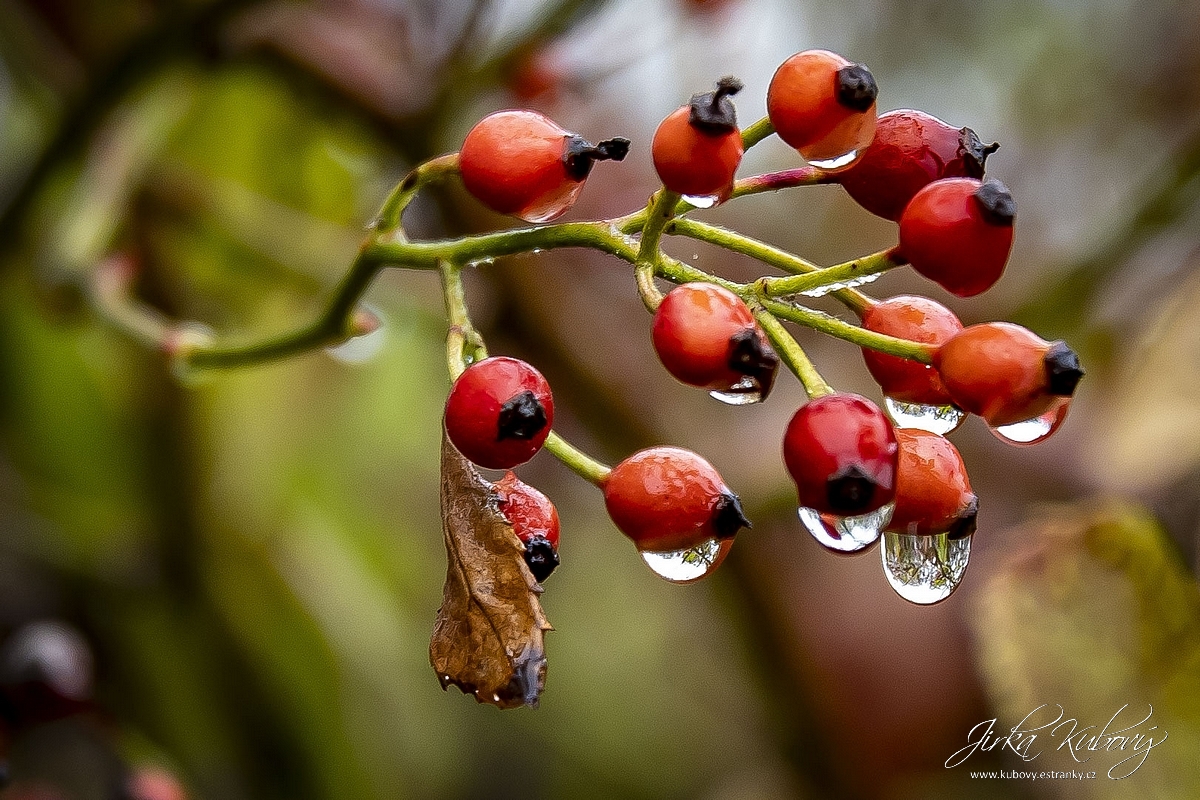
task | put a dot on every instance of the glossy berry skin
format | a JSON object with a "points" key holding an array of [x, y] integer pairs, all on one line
{"points": [[933, 492], [667, 499], [917, 319], [499, 412], [697, 148], [822, 105], [534, 520], [958, 233], [911, 149], [841, 451], [522, 163], [706, 336], [1005, 373]]}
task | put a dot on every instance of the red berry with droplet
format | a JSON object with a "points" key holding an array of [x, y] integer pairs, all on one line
{"points": [[499, 412], [823, 105], [1006, 373], [933, 492], [917, 319], [841, 451], [667, 499], [522, 163], [958, 232], [706, 336], [697, 148], [911, 149], [534, 520]]}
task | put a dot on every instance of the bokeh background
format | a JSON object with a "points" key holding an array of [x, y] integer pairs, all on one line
{"points": [[224, 584]]}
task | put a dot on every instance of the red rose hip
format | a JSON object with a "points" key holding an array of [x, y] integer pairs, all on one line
{"points": [[917, 319], [534, 520], [933, 492], [824, 106], [499, 412], [706, 336], [522, 163], [1005, 373], [667, 499], [841, 451], [698, 147], [958, 233], [911, 149]]}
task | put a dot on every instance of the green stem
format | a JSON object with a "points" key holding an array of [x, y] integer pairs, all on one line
{"points": [[891, 345], [781, 259], [756, 132], [388, 222], [332, 327], [576, 460], [874, 264], [464, 345], [661, 210], [793, 355], [774, 181], [426, 255]]}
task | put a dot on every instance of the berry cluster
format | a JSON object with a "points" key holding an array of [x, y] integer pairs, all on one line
{"points": [[860, 472]]}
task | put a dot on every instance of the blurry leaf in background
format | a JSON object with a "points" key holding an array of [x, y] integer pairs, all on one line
{"points": [[488, 639], [1097, 613]]}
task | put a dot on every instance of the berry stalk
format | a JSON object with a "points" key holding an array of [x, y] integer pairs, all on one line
{"points": [[793, 355]]}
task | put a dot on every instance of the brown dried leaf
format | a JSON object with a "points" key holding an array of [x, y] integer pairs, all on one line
{"points": [[487, 640]]}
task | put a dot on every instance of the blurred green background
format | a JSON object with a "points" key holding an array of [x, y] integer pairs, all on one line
{"points": [[224, 585]]}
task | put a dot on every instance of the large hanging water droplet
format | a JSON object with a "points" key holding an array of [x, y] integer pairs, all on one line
{"points": [[1033, 431], [702, 200], [846, 534], [691, 564], [861, 280], [924, 569], [742, 393], [845, 159], [935, 419]]}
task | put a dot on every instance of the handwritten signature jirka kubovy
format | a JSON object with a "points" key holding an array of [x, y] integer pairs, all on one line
{"points": [[1131, 742]]}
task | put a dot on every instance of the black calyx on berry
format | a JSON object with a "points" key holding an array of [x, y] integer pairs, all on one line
{"points": [[713, 112], [728, 517], [579, 154], [522, 417], [974, 152], [996, 203], [855, 87], [750, 355], [541, 557], [850, 491], [964, 525], [1063, 369]]}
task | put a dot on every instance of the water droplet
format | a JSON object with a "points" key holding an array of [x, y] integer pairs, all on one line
{"points": [[742, 393], [359, 349], [846, 534], [861, 280], [924, 569], [481, 262], [702, 200], [692, 564], [445, 679], [935, 419], [1033, 431], [845, 159], [537, 250], [495, 697]]}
